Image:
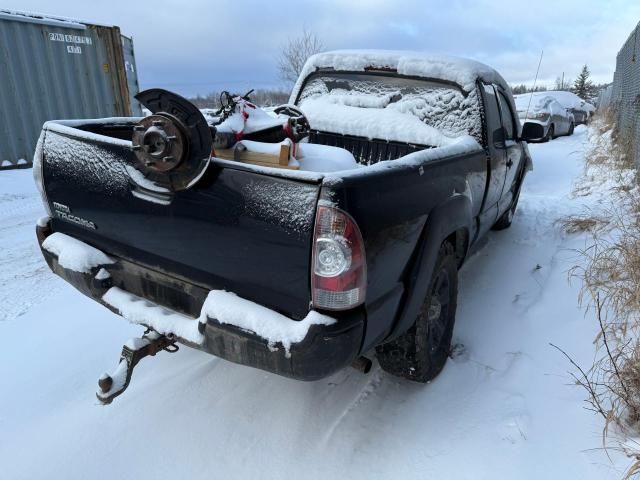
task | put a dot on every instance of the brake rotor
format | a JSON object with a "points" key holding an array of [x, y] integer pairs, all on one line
{"points": [[173, 145]]}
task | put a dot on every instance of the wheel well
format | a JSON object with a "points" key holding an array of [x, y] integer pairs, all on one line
{"points": [[459, 240]]}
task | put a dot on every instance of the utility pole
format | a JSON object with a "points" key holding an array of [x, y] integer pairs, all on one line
{"points": [[562, 83]]}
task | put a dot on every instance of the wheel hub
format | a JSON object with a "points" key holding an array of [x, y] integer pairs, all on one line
{"points": [[158, 143]]}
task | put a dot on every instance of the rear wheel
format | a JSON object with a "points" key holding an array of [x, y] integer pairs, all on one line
{"points": [[421, 352], [571, 129]]}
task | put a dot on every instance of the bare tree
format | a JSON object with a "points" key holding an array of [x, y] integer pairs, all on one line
{"points": [[295, 53]]}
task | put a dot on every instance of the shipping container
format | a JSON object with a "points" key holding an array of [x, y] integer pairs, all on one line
{"points": [[58, 68]]}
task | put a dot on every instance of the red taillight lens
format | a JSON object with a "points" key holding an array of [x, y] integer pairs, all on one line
{"points": [[338, 270]]}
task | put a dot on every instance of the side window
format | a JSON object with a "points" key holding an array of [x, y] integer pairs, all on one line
{"points": [[507, 117], [492, 111]]}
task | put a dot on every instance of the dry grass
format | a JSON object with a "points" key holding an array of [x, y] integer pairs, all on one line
{"points": [[610, 278], [582, 223]]}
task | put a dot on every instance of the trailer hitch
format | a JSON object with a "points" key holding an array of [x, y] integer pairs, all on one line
{"points": [[113, 384]]}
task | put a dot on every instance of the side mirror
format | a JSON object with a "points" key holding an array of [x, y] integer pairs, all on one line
{"points": [[532, 131]]}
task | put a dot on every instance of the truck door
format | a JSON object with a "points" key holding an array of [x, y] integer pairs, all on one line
{"points": [[513, 152], [497, 152]]}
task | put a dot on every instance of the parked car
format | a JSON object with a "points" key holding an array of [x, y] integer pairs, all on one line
{"points": [[580, 108], [545, 111], [300, 273]]}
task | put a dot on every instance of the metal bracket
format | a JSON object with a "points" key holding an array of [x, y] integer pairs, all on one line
{"points": [[113, 384]]}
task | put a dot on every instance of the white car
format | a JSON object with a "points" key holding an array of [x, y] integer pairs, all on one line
{"points": [[581, 109], [544, 110]]}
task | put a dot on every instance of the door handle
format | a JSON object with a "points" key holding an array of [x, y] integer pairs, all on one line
{"points": [[509, 163]]}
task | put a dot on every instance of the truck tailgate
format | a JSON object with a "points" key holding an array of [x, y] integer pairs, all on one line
{"points": [[240, 230]]}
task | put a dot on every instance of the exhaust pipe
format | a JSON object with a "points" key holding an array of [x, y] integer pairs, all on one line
{"points": [[362, 364]]}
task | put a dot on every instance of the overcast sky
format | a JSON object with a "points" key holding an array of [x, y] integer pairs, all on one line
{"points": [[198, 46]]}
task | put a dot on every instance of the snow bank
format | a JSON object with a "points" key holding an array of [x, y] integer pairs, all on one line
{"points": [[143, 312], [74, 254], [461, 71], [227, 308]]}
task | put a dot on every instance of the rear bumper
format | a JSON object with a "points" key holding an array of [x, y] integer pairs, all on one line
{"points": [[324, 350]]}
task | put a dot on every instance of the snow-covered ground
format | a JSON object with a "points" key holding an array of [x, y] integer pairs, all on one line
{"points": [[504, 408]]}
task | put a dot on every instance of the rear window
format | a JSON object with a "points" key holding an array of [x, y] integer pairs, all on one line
{"points": [[391, 108]]}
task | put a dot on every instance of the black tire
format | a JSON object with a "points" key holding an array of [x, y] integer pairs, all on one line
{"points": [[506, 218], [572, 127], [420, 353]]}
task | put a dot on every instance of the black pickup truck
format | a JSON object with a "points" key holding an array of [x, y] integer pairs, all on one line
{"points": [[297, 272]]}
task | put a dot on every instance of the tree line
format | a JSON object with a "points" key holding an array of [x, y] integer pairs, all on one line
{"points": [[291, 59], [582, 86], [264, 97], [296, 51]]}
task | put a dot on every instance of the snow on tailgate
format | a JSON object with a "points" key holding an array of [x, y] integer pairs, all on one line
{"points": [[74, 254]]}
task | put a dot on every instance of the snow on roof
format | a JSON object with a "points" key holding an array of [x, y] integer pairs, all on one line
{"points": [[567, 99], [526, 101], [46, 19], [461, 71]]}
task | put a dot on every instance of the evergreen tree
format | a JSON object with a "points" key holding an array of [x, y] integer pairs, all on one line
{"points": [[583, 87]]}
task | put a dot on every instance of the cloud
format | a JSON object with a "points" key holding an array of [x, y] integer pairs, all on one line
{"points": [[199, 46]]}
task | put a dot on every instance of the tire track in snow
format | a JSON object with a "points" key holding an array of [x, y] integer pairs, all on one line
{"points": [[376, 377]]}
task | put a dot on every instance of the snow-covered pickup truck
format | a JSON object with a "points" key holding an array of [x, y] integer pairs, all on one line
{"points": [[351, 248]]}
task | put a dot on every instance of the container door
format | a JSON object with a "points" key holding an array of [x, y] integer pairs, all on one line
{"points": [[132, 74]]}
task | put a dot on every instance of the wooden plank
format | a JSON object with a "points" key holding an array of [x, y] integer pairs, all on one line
{"points": [[285, 151], [255, 158], [246, 156], [226, 154], [262, 164]]}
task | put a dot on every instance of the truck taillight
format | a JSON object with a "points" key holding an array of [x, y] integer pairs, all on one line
{"points": [[338, 270]]}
